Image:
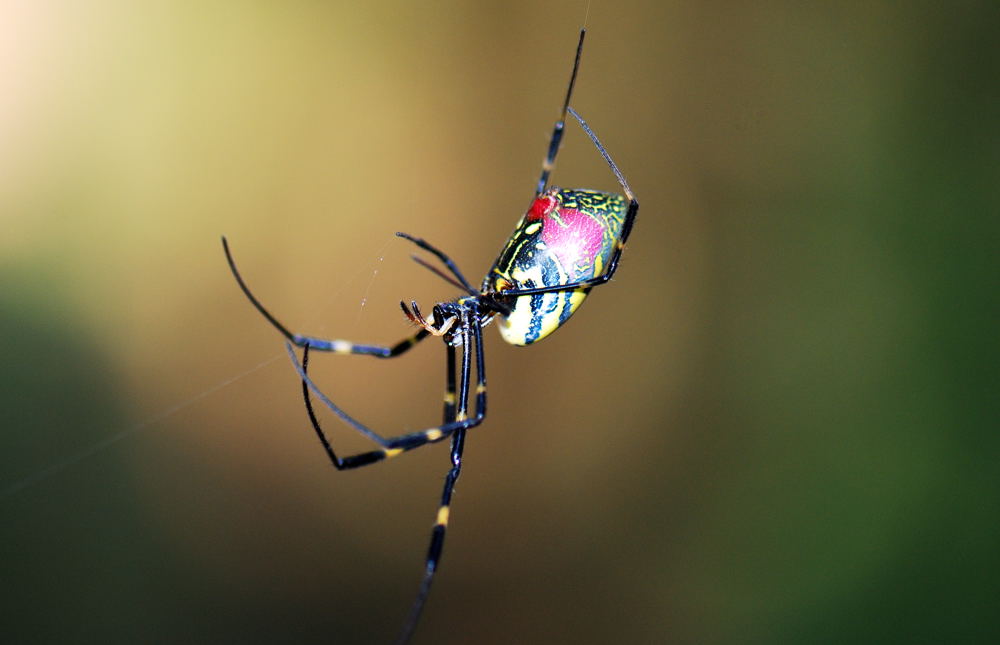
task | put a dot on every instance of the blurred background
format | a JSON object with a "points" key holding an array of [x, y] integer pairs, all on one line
{"points": [[778, 423]]}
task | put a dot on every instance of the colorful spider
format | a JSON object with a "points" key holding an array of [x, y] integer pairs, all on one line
{"points": [[568, 242]]}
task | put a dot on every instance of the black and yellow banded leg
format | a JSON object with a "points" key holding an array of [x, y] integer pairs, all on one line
{"points": [[393, 446], [437, 537], [480, 373], [449, 387], [444, 509], [457, 446], [374, 456], [347, 347], [340, 463], [557, 132], [322, 344]]}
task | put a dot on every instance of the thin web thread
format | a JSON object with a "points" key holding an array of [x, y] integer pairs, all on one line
{"points": [[43, 474], [371, 282], [55, 468]]}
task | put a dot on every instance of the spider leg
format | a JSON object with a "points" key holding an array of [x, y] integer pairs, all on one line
{"points": [[457, 447], [633, 209], [607, 157], [557, 131], [441, 256], [321, 344], [393, 446], [455, 412], [437, 538], [373, 456], [340, 463], [449, 385], [438, 272]]}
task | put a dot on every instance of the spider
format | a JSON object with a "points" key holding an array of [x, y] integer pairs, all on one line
{"points": [[567, 242]]}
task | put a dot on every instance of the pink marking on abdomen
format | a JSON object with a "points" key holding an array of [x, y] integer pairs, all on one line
{"points": [[575, 243]]}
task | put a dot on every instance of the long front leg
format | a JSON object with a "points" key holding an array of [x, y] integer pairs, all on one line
{"points": [[321, 344]]}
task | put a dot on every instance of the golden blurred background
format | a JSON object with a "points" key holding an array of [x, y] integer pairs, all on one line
{"points": [[778, 424]]}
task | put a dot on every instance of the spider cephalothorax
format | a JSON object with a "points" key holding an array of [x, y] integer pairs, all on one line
{"points": [[448, 318]]}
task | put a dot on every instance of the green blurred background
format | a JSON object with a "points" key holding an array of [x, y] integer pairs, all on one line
{"points": [[778, 424]]}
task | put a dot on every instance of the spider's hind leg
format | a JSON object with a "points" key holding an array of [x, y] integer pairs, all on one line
{"points": [[454, 410], [393, 446], [340, 463]]}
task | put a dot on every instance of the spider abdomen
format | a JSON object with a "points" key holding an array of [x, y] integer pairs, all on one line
{"points": [[567, 236]]}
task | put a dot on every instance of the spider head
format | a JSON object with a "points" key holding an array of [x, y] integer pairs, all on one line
{"points": [[442, 321], [446, 317]]}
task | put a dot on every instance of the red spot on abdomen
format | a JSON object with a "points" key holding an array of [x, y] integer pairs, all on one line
{"points": [[541, 207]]}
